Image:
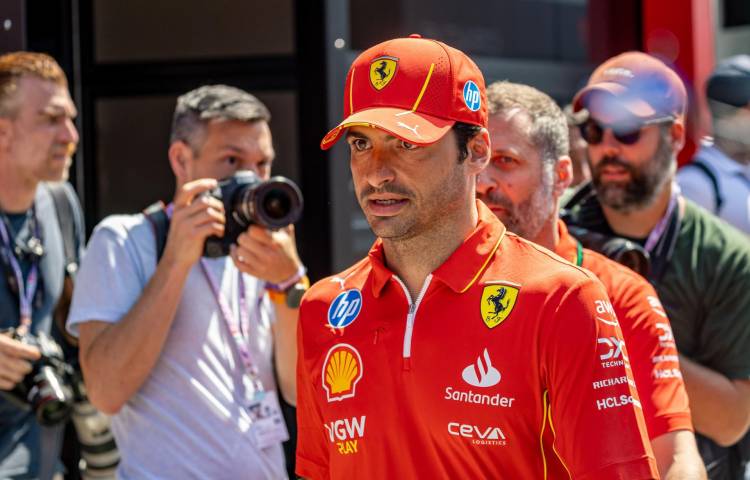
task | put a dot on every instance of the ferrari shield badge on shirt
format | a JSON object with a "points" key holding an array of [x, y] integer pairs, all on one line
{"points": [[497, 302], [382, 71]]}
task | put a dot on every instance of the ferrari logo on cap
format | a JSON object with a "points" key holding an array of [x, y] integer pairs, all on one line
{"points": [[497, 302], [382, 71]]}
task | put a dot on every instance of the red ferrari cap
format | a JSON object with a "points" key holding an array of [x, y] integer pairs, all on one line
{"points": [[413, 88], [635, 84]]}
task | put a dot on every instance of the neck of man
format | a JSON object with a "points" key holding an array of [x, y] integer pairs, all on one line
{"points": [[639, 223], [16, 192], [549, 236], [415, 258]]}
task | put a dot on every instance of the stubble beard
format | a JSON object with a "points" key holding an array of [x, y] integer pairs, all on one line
{"points": [[528, 217], [432, 213]]}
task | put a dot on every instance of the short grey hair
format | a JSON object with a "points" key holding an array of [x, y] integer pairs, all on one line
{"points": [[213, 102], [549, 127]]}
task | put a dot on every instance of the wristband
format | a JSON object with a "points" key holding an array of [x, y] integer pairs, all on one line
{"points": [[289, 282], [293, 295]]}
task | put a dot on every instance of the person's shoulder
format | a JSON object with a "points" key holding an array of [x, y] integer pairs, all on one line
{"points": [[536, 263], [706, 231], [623, 285], [329, 287], [123, 227]]}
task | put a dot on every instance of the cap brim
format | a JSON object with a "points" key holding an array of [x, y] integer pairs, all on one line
{"points": [[413, 127], [614, 104]]}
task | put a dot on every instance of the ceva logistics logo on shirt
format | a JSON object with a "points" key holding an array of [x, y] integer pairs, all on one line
{"points": [[345, 308], [342, 370]]}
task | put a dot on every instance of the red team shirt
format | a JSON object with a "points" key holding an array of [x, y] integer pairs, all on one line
{"points": [[647, 332], [495, 371]]}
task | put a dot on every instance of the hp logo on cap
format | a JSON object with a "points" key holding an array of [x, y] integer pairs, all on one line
{"points": [[472, 97]]}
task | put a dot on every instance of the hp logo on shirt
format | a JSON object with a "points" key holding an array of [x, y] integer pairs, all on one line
{"points": [[345, 308], [472, 97]]}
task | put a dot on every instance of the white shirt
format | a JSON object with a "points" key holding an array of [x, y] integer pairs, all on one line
{"points": [[733, 182], [187, 421]]}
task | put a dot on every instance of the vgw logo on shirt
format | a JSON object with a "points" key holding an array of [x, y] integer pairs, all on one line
{"points": [[344, 309], [481, 373], [342, 369], [346, 433]]}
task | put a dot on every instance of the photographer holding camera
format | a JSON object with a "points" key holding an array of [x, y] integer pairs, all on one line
{"points": [[178, 345], [37, 139]]}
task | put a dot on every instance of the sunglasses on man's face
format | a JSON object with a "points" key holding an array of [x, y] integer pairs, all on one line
{"points": [[593, 131]]}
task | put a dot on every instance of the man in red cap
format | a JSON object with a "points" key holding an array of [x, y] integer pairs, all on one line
{"points": [[699, 266], [455, 349], [528, 172]]}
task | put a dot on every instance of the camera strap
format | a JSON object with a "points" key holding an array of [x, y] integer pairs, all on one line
{"points": [[26, 288]]}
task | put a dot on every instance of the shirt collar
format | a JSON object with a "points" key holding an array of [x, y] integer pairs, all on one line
{"points": [[462, 269], [567, 246]]}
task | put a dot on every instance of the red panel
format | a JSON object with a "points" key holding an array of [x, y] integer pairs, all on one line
{"points": [[682, 32]]}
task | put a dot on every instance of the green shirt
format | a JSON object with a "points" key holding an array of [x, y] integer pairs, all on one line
{"points": [[706, 293]]}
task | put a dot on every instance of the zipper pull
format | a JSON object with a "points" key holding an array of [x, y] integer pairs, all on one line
{"points": [[412, 308], [375, 340]]}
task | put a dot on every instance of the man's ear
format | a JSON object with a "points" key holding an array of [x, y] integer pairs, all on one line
{"points": [[479, 151], [180, 155], [677, 134], [563, 174]]}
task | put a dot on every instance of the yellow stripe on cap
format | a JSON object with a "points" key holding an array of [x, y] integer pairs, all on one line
{"points": [[424, 87], [351, 91]]}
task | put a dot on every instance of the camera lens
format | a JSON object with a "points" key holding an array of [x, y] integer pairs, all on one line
{"points": [[277, 204], [50, 398]]}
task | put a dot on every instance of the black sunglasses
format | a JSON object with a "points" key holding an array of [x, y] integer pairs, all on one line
{"points": [[627, 134]]}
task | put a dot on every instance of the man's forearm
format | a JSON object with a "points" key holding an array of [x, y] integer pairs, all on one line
{"points": [[285, 346], [117, 358], [677, 456], [720, 407]]}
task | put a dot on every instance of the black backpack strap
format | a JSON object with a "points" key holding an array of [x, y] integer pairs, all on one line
{"points": [[68, 220], [156, 214], [700, 165]]}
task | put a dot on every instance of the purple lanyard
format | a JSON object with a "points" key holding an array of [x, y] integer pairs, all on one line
{"points": [[658, 231], [26, 289], [240, 331]]}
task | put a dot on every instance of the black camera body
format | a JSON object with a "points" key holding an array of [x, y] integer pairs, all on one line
{"points": [[621, 250], [272, 204], [46, 390]]}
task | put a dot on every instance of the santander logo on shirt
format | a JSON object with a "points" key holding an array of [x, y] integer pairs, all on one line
{"points": [[481, 373]]}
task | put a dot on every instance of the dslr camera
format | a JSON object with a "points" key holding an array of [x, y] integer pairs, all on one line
{"points": [[46, 390], [620, 250], [272, 204]]}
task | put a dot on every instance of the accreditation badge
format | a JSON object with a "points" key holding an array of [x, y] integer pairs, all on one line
{"points": [[268, 427]]}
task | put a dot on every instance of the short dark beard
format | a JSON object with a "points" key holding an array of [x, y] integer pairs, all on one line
{"points": [[644, 185]]}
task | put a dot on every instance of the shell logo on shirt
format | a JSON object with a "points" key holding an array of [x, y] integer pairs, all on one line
{"points": [[497, 303], [342, 370]]}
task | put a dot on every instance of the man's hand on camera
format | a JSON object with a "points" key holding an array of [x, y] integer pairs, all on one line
{"points": [[265, 254], [195, 218], [15, 360]]}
